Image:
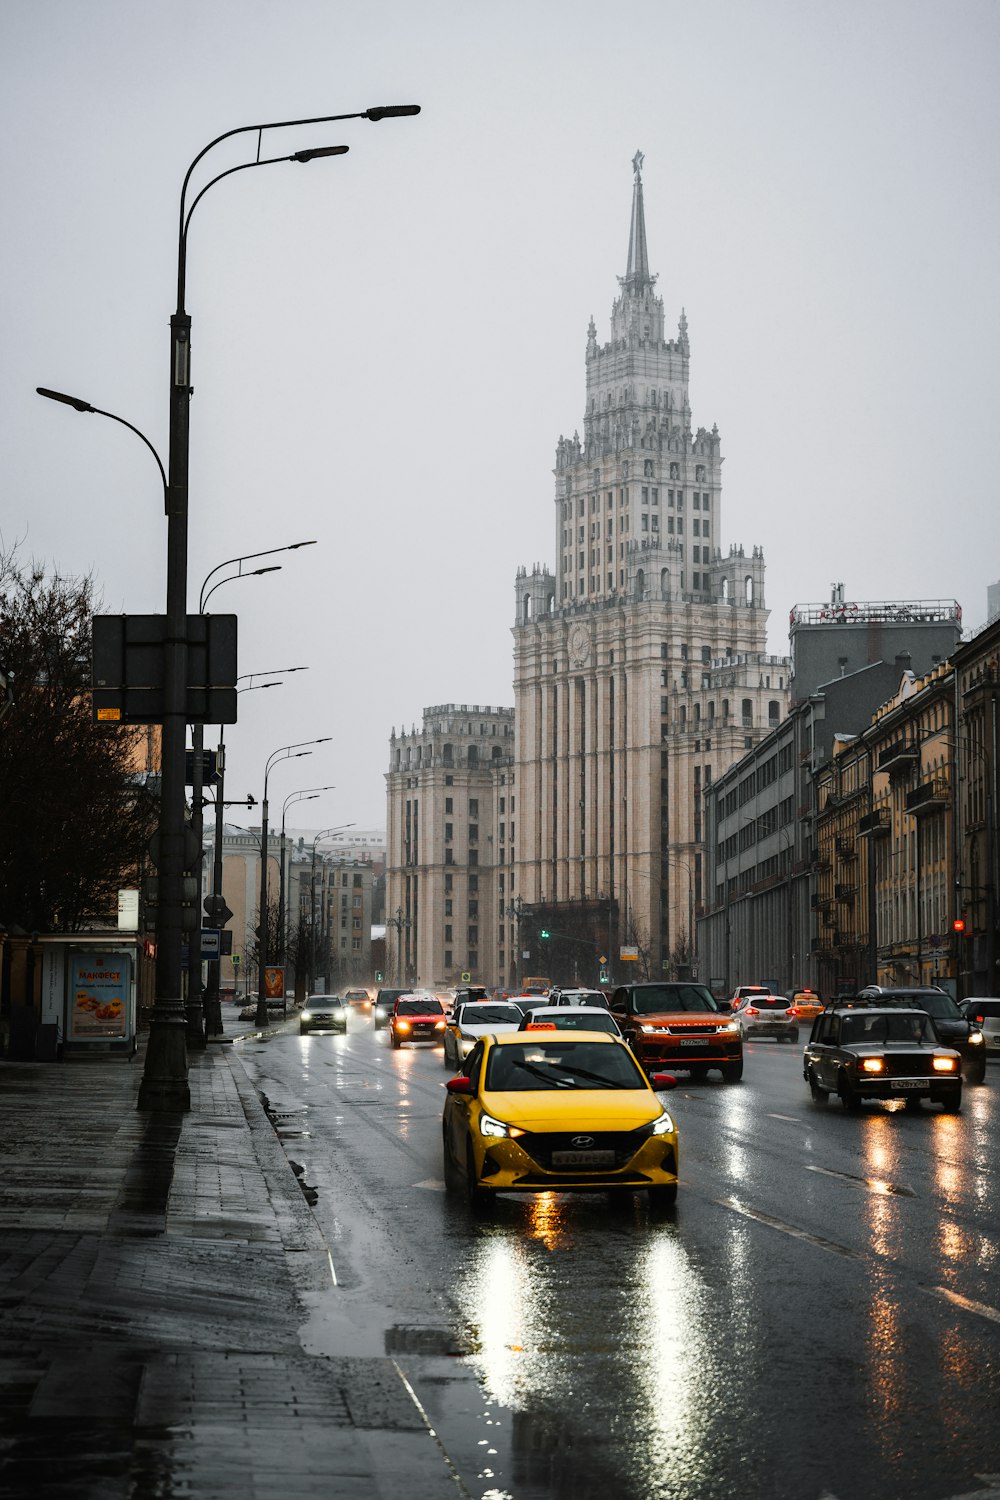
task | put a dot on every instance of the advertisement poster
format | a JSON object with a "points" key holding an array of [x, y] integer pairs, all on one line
{"points": [[98, 995], [274, 983]]}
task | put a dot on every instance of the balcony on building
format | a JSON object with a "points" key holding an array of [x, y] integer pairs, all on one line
{"points": [[846, 848], [844, 892], [873, 823], [930, 797], [898, 756]]}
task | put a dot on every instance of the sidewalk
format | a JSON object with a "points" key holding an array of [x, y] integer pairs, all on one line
{"points": [[152, 1275]]}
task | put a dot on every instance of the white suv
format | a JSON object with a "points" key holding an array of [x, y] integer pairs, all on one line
{"points": [[984, 1012], [766, 1015]]}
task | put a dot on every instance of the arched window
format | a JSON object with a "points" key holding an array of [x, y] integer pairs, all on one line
{"points": [[640, 584], [748, 713], [496, 753], [748, 588], [725, 591], [725, 708], [527, 608], [473, 757], [683, 717], [711, 712], [448, 755], [664, 583], [773, 712]]}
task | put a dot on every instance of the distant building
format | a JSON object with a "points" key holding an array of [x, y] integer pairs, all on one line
{"points": [[450, 846], [992, 602]]}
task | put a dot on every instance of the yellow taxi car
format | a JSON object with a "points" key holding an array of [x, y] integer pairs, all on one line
{"points": [[807, 1004], [557, 1111]]}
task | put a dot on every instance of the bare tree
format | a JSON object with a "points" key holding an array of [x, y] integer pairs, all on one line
{"points": [[74, 815]]}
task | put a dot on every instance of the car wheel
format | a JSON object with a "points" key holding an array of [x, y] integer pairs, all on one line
{"points": [[452, 1174], [697, 1072], [732, 1072], [952, 1105], [663, 1197], [447, 1059], [977, 1074], [479, 1198], [848, 1093], [394, 1039], [303, 1031], [820, 1094]]}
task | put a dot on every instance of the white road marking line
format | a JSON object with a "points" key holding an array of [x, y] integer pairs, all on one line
{"points": [[981, 1308], [433, 1183], [794, 1119], [792, 1229], [873, 1184], [333, 1272]]}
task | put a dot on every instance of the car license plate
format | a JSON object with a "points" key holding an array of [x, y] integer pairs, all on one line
{"points": [[583, 1158], [909, 1083], [698, 1043]]}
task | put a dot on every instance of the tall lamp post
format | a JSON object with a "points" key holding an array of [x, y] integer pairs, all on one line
{"points": [[287, 752], [310, 794], [213, 1004], [165, 1083], [400, 923], [204, 1017]]}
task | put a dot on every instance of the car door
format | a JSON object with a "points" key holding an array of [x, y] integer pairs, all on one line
{"points": [[825, 1049], [459, 1111]]}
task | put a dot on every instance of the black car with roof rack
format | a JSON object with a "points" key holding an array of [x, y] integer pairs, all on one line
{"points": [[954, 1029], [860, 1049]]}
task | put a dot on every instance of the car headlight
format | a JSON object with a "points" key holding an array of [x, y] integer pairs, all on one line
{"points": [[306, 1015], [975, 1037], [439, 1025], [731, 1026], [663, 1126], [944, 1065], [488, 1125], [380, 1010], [872, 1065], [402, 1025], [655, 1028]]}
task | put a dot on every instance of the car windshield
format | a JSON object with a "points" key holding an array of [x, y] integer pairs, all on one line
{"points": [[562, 1065], [942, 1006], [672, 997], [479, 1014], [586, 997], [530, 1002], [770, 1002], [983, 1008], [419, 1008], [861, 1029], [328, 1002]]}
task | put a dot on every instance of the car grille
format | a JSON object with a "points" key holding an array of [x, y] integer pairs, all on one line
{"points": [[694, 1030], [421, 1028], [905, 1065], [623, 1145]]}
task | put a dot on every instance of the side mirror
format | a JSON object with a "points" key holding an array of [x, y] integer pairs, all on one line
{"points": [[459, 1085], [662, 1081]]}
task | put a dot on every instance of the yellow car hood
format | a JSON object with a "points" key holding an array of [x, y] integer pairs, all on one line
{"points": [[575, 1109]]}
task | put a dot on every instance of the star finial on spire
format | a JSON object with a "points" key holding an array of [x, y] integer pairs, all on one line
{"points": [[637, 162]]}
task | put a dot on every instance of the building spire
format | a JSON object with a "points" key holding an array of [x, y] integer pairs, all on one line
{"points": [[637, 276]]}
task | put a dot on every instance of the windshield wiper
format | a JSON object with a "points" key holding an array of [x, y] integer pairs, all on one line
{"points": [[601, 1078], [543, 1073]]}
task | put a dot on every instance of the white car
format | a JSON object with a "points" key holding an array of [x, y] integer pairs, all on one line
{"points": [[570, 1018], [472, 1020], [767, 1015], [595, 998], [984, 1013]]}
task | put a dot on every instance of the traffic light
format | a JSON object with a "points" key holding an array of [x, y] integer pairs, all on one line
{"points": [[545, 933], [958, 925], [378, 976]]}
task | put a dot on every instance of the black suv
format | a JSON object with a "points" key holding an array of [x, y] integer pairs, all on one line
{"points": [[867, 1050], [384, 1002], [949, 1022]]}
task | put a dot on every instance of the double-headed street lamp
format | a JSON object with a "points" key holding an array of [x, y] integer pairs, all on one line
{"points": [[165, 1083], [309, 794], [323, 833], [287, 752]]}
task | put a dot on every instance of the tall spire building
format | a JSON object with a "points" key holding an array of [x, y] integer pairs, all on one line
{"points": [[640, 666]]}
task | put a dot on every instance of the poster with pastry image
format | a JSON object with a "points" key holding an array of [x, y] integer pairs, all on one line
{"points": [[98, 993]]}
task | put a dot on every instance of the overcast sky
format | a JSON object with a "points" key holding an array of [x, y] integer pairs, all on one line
{"points": [[388, 345]]}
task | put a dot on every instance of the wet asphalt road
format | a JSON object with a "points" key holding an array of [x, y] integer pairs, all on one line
{"points": [[820, 1318]]}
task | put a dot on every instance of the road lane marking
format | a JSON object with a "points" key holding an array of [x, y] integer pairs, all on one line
{"points": [[980, 1308], [793, 1118], [434, 1183], [791, 1229], [873, 1184], [453, 1472]]}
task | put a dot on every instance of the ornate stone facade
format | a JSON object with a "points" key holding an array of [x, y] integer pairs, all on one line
{"points": [[640, 666]]}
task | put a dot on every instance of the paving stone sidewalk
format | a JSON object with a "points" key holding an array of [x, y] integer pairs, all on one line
{"points": [[152, 1270]]}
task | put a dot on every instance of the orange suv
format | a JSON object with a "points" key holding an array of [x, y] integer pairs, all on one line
{"points": [[679, 1026], [417, 1018]]}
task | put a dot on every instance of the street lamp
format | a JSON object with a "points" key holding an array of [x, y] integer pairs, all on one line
{"points": [[213, 1005], [165, 1082], [287, 752], [399, 922], [310, 794]]}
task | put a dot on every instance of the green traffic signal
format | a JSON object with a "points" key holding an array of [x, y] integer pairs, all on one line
{"points": [[545, 933]]}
